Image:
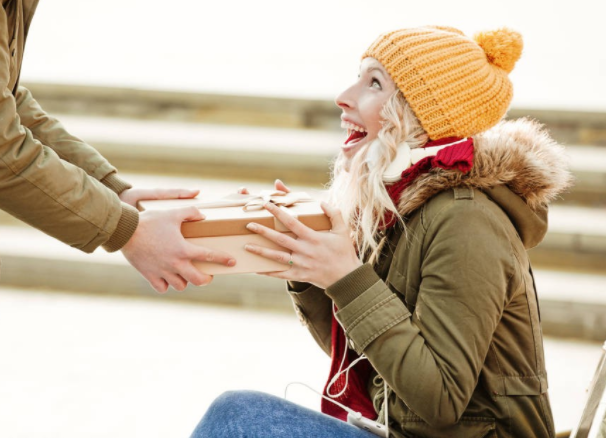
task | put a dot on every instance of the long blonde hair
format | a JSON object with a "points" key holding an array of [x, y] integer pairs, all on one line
{"points": [[360, 192]]}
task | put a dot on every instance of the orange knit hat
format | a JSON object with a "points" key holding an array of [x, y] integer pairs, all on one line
{"points": [[456, 86]]}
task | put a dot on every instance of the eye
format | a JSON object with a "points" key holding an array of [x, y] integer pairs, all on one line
{"points": [[374, 82]]}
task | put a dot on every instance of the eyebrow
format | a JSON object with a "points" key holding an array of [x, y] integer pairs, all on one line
{"points": [[371, 69]]}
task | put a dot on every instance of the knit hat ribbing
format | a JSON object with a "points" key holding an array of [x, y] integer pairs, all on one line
{"points": [[455, 85]]}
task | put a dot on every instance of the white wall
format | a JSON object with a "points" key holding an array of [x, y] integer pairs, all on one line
{"points": [[307, 48]]}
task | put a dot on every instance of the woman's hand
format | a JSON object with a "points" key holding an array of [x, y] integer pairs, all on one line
{"points": [[319, 258], [134, 195]]}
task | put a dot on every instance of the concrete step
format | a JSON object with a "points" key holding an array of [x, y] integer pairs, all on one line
{"points": [[588, 164], [302, 156], [214, 151], [573, 303], [570, 127], [576, 240]]}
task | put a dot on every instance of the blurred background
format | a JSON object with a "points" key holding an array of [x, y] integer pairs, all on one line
{"points": [[218, 95]]}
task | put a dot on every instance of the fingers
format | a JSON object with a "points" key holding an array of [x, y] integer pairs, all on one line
{"points": [[195, 277], [271, 254], [188, 214], [289, 221], [203, 254], [159, 284], [279, 185], [177, 282], [154, 193], [177, 193], [335, 216], [188, 193], [278, 238], [174, 193]]}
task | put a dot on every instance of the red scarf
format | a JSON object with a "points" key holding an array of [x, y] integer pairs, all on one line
{"points": [[459, 156]]}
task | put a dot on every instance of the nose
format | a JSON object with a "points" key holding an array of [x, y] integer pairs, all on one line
{"points": [[345, 99]]}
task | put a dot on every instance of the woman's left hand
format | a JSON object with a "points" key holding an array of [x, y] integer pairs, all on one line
{"points": [[319, 258]]}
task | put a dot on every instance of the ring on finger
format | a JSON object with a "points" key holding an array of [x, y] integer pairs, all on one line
{"points": [[290, 261]]}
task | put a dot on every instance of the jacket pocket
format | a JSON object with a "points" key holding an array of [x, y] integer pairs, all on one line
{"points": [[467, 427], [516, 385]]}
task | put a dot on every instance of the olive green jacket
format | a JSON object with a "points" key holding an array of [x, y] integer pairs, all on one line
{"points": [[49, 178], [449, 315]]}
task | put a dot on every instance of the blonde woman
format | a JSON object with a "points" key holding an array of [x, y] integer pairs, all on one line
{"points": [[422, 293]]}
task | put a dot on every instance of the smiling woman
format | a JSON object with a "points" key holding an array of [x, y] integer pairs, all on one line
{"points": [[422, 293], [361, 104]]}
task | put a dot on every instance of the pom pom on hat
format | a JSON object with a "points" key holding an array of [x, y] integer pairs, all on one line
{"points": [[503, 47]]}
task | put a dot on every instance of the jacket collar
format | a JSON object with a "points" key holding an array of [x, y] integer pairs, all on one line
{"points": [[517, 164]]}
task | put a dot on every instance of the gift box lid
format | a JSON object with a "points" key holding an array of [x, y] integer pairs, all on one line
{"points": [[229, 216]]}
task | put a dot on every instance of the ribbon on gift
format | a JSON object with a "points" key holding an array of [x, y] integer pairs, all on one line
{"points": [[255, 202]]}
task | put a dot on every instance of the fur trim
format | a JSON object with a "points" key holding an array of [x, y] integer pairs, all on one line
{"points": [[518, 153]]}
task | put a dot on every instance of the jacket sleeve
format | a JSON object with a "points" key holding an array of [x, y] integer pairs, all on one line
{"points": [[314, 309], [432, 358], [50, 193], [49, 131]]}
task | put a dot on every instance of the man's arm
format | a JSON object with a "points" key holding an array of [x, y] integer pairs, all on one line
{"points": [[49, 131]]}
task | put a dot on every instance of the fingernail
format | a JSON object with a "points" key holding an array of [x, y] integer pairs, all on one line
{"points": [[251, 226], [268, 205], [231, 263], [249, 247]]}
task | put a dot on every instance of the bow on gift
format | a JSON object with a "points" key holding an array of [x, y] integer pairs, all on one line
{"points": [[256, 202]]}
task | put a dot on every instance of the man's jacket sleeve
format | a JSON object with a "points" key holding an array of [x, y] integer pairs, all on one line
{"points": [[49, 131], [53, 194]]}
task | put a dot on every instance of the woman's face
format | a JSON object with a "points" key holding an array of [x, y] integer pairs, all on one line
{"points": [[361, 105]]}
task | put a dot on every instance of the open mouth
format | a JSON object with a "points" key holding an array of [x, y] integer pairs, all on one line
{"points": [[355, 133]]}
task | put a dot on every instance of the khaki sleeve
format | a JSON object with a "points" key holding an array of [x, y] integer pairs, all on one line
{"points": [[314, 309], [49, 131], [50, 193], [432, 359]]}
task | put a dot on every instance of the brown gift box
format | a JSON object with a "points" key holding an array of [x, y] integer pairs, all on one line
{"points": [[224, 228]]}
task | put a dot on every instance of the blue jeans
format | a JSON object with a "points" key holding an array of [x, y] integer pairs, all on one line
{"points": [[251, 414]]}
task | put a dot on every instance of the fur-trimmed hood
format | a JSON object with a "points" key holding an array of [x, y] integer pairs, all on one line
{"points": [[517, 164]]}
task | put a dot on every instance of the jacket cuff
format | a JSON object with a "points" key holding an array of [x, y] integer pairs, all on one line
{"points": [[307, 300], [115, 183], [124, 231], [306, 294], [367, 307], [348, 288], [297, 286]]}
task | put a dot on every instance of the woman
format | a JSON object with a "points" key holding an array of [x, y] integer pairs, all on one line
{"points": [[434, 205]]}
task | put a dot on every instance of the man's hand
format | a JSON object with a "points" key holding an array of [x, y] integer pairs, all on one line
{"points": [[134, 195], [160, 253]]}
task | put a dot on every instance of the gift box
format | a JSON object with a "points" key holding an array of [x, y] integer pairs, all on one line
{"points": [[224, 228]]}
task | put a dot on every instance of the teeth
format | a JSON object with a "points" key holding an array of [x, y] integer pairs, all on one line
{"points": [[352, 127]]}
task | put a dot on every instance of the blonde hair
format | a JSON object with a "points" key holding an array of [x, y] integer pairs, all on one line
{"points": [[360, 192]]}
